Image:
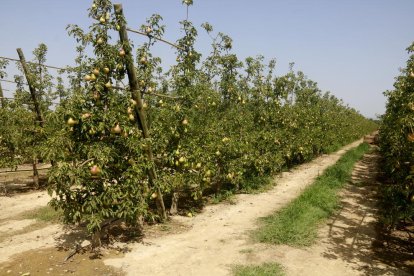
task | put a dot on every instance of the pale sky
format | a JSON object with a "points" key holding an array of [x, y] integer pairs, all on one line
{"points": [[352, 48]]}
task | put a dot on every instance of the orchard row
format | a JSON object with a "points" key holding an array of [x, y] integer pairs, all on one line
{"points": [[203, 127], [397, 146]]}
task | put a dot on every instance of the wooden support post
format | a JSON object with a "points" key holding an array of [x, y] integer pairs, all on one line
{"points": [[2, 101], [39, 117], [32, 90], [139, 109]]}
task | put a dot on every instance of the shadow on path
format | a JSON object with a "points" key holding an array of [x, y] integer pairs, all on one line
{"points": [[356, 236]]}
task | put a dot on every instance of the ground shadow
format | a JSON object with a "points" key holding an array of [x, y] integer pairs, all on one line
{"points": [[355, 234]]}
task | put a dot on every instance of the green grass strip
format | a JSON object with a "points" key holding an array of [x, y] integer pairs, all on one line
{"points": [[266, 269], [297, 223], [45, 214]]}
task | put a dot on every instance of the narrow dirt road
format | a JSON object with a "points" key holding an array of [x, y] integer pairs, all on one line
{"points": [[348, 243], [218, 237]]}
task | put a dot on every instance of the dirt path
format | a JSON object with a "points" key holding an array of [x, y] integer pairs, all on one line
{"points": [[348, 243], [219, 236]]}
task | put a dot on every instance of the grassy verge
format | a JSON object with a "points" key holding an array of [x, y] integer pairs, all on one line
{"points": [[43, 214], [297, 223], [267, 269]]}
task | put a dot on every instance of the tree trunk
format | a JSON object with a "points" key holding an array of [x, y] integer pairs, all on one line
{"points": [[35, 174], [2, 101], [174, 203]]}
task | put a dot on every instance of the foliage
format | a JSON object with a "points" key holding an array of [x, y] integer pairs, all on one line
{"points": [[22, 136], [397, 146], [217, 125]]}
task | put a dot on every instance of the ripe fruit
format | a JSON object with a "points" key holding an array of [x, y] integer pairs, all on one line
{"points": [[122, 52], [99, 41], [131, 117], [230, 176], [154, 195], [93, 6], [144, 105], [218, 153], [95, 71], [143, 60], [410, 137], [185, 122], [108, 85], [198, 166], [225, 139], [148, 29], [181, 160], [71, 121], [106, 70], [102, 19], [86, 115], [412, 74], [133, 102], [142, 82], [87, 78], [95, 170], [116, 129], [150, 89], [130, 110], [96, 96], [118, 27], [93, 77], [177, 108]]}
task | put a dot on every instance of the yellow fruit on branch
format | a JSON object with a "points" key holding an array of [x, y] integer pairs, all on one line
{"points": [[86, 115], [116, 129], [95, 170], [143, 60], [71, 121]]}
